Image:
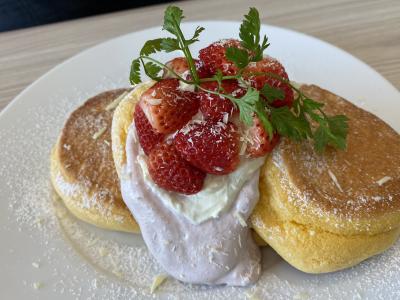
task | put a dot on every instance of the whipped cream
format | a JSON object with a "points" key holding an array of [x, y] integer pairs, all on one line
{"points": [[215, 251], [216, 196]]}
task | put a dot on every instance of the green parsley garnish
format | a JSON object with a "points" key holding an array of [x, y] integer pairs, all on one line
{"points": [[292, 122]]}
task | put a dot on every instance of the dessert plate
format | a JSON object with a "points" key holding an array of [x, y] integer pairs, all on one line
{"points": [[45, 253]]}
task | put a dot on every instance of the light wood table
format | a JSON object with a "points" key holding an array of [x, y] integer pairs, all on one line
{"points": [[367, 29]]}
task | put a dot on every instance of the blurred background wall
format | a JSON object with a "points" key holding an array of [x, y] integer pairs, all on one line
{"points": [[16, 14]]}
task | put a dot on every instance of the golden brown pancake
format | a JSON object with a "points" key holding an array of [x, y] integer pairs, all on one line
{"points": [[326, 212], [82, 166]]}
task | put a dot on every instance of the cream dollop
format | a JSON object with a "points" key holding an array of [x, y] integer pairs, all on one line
{"points": [[218, 250]]}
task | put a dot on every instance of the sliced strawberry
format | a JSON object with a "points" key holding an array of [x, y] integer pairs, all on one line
{"points": [[167, 107], [171, 172], [180, 66], [210, 146], [215, 107], [258, 143], [148, 137], [269, 65], [213, 57]]}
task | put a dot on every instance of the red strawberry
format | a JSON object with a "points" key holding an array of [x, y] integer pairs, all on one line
{"points": [[258, 143], [148, 137], [171, 172], [269, 65], [210, 146], [180, 66], [213, 57], [167, 107], [215, 107]]}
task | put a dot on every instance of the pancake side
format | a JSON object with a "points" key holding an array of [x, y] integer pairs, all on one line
{"points": [[122, 119], [82, 166], [341, 191], [325, 212], [307, 247]]}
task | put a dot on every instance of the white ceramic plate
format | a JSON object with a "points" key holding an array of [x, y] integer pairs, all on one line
{"points": [[48, 257]]}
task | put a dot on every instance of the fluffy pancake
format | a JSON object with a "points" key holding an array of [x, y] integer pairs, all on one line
{"points": [[122, 119], [82, 166], [327, 212]]}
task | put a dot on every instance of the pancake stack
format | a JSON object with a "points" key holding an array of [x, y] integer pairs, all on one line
{"points": [[325, 212], [82, 166], [320, 212]]}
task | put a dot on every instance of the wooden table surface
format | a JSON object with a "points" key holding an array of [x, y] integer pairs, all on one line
{"points": [[368, 29]]}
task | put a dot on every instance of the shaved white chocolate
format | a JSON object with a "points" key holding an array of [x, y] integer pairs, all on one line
{"points": [[157, 281], [335, 181], [99, 133], [116, 102], [383, 180]]}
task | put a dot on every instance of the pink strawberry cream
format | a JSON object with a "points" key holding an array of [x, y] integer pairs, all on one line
{"points": [[217, 249]]}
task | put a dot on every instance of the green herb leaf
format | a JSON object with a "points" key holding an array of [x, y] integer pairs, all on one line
{"points": [[134, 76], [152, 70], [271, 94], [195, 37], [246, 105], [239, 57], [218, 78], [262, 115], [172, 19], [170, 44], [310, 105], [150, 47], [289, 125], [321, 138], [333, 132], [250, 35]]}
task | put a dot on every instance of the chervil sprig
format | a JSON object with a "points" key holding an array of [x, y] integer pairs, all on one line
{"points": [[304, 120]]}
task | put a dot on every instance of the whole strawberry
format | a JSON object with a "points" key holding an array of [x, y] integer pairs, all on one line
{"points": [[148, 137], [167, 107], [258, 143], [219, 108], [213, 147], [213, 57], [171, 172], [269, 65]]}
